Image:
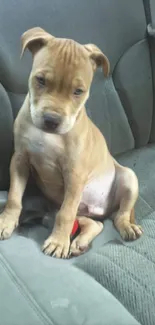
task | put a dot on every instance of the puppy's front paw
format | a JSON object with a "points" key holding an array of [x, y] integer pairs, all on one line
{"points": [[57, 246], [7, 226], [130, 231]]}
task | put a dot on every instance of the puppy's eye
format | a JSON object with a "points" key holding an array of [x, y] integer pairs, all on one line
{"points": [[78, 92], [41, 81]]}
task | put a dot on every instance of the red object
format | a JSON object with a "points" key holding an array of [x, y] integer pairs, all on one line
{"points": [[75, 227]]}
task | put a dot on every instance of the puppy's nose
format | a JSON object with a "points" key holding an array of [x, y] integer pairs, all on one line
{"points": [[51, 121]]}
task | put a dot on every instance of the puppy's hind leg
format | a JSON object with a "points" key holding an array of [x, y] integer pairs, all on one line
{"points": [[126, 195], [89, 229]]}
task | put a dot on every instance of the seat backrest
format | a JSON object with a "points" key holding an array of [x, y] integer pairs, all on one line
{"points": [[122, 105]]}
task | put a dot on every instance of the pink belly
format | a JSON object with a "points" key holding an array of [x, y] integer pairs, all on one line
{"points": [[97, 196]]}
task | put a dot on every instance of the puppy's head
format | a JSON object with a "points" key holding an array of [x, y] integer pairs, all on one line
{"points": [[60, 79]]}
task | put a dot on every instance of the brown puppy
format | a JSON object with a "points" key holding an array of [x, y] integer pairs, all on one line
{"points": [[66, 151]]}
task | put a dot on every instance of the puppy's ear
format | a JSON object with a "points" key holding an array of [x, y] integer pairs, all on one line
{"points": [[98, 58], [34, 39]]}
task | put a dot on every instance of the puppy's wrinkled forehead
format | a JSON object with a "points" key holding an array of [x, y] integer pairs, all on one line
{"points": [[68, 52], [64, 59]]}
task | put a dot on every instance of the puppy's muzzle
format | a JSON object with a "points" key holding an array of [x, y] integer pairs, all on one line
{"points": [[51, 121]]}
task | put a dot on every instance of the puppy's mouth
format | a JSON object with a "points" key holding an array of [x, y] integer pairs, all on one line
{"points": [[54, 128], [57, 124], [51, 122], [50, 130]]}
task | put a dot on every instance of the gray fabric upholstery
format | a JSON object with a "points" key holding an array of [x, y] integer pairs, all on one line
{"points": [[52, 292], [150, 18], [6, 139], [40, 290], [128, 272], [132, 79]]}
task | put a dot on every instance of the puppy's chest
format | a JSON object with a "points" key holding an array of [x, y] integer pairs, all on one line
{"points": [[43, 149]]}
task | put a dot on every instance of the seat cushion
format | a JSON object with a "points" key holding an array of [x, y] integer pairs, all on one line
{"points": [[40, 290], [128, 270]]}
